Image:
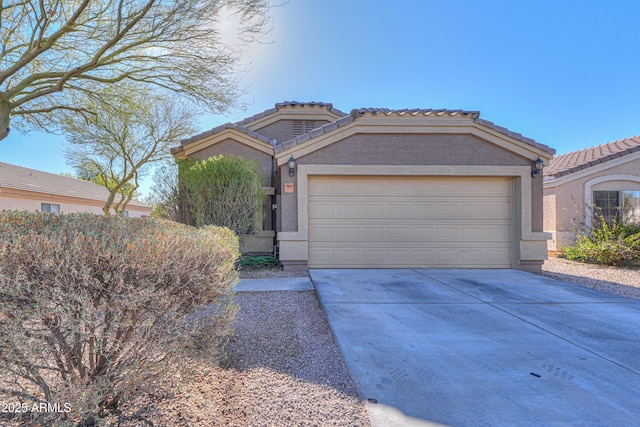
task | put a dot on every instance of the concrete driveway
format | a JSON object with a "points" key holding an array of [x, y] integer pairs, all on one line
{"points": [[485, 347]]}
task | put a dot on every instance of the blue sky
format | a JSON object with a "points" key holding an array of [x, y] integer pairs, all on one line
{"points": [[565, 73]]}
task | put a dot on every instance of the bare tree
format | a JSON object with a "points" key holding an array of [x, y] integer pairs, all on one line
{"points": [[168, 199], [53, 53], [122, 137]]}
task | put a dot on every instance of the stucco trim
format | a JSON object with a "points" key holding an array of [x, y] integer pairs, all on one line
{"points": [[550, 182], [588, 194], [413, 125], [240, 137], [294, 245]]}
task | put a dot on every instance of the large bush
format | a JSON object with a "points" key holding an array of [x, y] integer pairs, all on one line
{"points": [[93, 308], [225, 191], [608, 243]]}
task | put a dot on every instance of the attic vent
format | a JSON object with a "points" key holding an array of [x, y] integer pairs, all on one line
{"points": [[303, 126]]}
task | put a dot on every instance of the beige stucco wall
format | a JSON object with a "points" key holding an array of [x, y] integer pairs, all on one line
{"points": [[566, 210], [232, 147], [401, 154], [33, 201], [413, 149]]}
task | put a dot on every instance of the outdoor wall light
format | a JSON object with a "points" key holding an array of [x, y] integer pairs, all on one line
{"points": [[538, 167], [292, 166]]}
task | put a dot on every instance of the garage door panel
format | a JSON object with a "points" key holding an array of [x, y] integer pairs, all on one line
{"points": [[421, 234], [446, 234], [372, 256], [347, 188], [422, 187], [400, 222], [322, 233], [496, 234], [421, 210], [446, 210], [397, 234], [395, 210], [322, 210], [372, 210], [445, 188], [497, 211], [495, 256], [472, 234], [347, 233], [397, 187], [347, 210], [348, 256], [319, 187]]}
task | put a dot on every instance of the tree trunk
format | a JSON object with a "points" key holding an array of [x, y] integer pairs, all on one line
{"points": [[5, 119]]}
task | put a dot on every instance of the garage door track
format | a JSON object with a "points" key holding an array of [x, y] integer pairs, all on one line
{"points": [[485, 347]]}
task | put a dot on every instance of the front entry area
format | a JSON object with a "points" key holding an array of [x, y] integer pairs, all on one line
{"points": [[418, 221]]}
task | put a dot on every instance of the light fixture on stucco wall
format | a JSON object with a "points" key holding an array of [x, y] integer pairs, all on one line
{"points": [[292, 166], [539, 163]]}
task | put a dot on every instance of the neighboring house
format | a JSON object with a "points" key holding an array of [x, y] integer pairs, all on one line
{"points": [[603, 179], [381, 188], [29, 189]]}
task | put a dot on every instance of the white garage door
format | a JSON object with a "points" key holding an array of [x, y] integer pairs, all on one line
{"points": [[378, 222]]}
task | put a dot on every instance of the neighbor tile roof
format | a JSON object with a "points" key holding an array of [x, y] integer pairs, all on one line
{"points": [[582, 159], [241, 125], [21, 178]]}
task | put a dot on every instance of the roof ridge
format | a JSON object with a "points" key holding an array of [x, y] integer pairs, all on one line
{"points": [[357, 112], [328, 105]]}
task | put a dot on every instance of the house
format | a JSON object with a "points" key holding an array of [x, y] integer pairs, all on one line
{"points": [[29, 189], [380, 188], [603, 179]]}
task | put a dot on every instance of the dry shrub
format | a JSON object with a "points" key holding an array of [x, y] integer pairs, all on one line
{"points": [[93, 309]]}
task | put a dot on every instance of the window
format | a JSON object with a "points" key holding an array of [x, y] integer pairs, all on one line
{"points": [[617, 205], [303, 126], [50, 207]]}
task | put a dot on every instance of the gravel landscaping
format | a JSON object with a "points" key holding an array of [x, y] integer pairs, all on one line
{"points": [[283, 368], [619, 281]]}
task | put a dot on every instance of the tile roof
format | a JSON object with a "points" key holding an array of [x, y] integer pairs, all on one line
{"points": [[241, 125], [359, 112], [21, 178], [582, 159], [218, 129]]}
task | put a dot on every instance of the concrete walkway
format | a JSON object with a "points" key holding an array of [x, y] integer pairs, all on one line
{"points": [[485, 347], [275, 284]]}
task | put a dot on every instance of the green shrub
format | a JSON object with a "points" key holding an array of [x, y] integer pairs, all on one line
{"points": [[612, 244], [224, 191], [94, 309], [257, 261]]}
